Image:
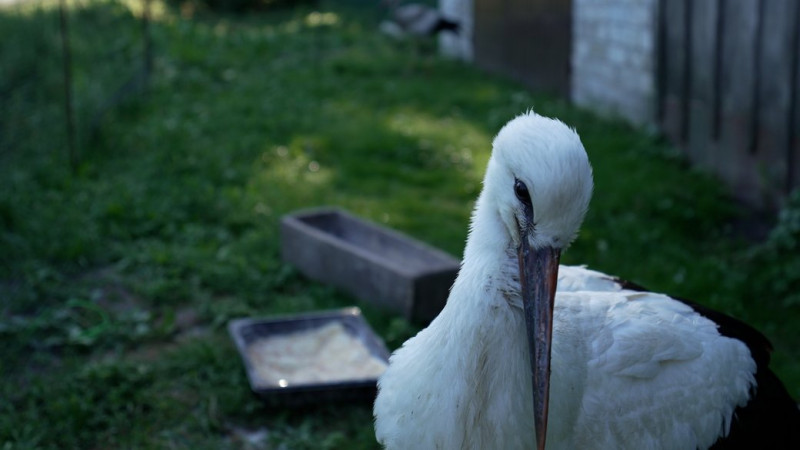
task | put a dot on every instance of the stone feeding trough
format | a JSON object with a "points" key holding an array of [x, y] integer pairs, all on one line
{"points": [[377, 265], [310, 358]]}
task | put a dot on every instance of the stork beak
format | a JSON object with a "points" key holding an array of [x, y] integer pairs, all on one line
{"points": [[538, 270]]}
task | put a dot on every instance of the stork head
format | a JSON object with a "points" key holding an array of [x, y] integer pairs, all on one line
{"points": [[540, 181]]}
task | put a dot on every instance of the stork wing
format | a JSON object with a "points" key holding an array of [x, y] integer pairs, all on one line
{"points": [[579, 278], [656, 371], [643, 345]]}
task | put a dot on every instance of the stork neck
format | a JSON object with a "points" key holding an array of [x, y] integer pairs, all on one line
{"points": [[488, 240], [489, 265]]}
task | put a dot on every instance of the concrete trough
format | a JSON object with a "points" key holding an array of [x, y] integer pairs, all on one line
{"points": [[375, 264]]}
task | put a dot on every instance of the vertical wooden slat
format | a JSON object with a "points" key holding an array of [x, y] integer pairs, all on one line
{"points": [[701, 146], [686, 51], [793, 119], [661, 60], [737, 90], [757, 83], [775, 94], [674, 65], [717, 95]]}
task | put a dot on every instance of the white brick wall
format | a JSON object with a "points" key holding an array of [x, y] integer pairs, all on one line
{"points": [[613, 57], [613, 53]]}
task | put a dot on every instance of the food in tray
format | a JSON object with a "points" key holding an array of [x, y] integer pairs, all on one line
{"points": [[327, 354]]}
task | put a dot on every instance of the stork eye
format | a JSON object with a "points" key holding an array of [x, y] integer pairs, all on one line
{"points": [[521, 191]]}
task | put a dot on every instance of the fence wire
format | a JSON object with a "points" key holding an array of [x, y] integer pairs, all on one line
{"points": [[58, 82]]}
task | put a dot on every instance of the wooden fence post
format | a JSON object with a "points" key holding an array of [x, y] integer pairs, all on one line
{"points": [[67, 70], [793, 119], [738, 87], [703, 111], [674, 64], [775, 71]]}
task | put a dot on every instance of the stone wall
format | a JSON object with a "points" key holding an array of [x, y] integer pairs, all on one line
{"points": [[614, 57]]}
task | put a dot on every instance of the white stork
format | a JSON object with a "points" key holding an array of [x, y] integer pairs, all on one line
{"points": [[628, 369]]}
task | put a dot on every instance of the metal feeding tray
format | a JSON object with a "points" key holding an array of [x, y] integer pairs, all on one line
{"points": [[311, 358]]}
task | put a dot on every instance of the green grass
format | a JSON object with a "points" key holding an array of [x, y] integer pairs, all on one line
{"points": [[117, 281]]}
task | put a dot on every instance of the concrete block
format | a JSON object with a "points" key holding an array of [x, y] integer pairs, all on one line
{"points": [[373, 263]]}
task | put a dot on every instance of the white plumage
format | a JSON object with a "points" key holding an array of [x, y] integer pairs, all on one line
{"points": [[626, 373], [630, 369]]}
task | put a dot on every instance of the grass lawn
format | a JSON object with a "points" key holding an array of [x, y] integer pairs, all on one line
{"points": [[117, 281]]}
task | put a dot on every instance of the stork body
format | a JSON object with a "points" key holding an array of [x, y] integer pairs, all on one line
{"points": [[630, 369]]}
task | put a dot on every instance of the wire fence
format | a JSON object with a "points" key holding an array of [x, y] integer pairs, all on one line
{"points": [[58, 83]]}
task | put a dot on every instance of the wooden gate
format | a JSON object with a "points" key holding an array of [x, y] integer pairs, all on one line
{"points": [[728, 90], [527, 40]]}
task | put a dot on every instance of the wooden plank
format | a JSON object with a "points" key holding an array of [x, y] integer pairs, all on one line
{"points": [[674, 65], [549, 32], [702, 147], [518, 28], [775, 72], [793, 157], [489, 35], [738, 81], [527, 40]]}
